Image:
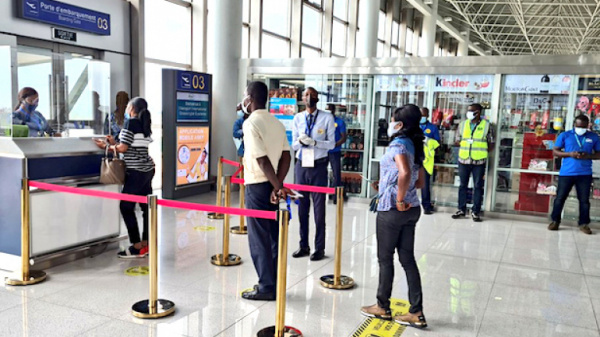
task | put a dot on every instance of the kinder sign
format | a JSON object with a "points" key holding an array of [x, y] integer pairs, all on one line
{"points": [[466, 83]]}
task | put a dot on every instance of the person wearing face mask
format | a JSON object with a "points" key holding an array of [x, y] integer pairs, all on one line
{"points": [[313, 134], [398, 211], [238, 131], [335, 155], [26, 114], [475, 138], [266, 163], [432, 141], [135, 138], [577, 148]]}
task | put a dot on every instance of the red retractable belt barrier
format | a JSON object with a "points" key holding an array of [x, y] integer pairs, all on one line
{"points": [[230, 162], [89, 193], [300, 188], [269, 215]]}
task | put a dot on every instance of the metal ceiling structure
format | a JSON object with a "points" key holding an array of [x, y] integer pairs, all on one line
{"points": [[528, 27]]}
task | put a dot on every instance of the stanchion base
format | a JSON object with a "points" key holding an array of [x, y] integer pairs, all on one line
{"points": [[231, 260], [239, 230], [287, 332], [216, 216], [35, 276], [163, 308], [346, 282]]}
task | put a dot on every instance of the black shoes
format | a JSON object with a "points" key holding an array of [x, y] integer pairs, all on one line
{"points": [[458, 215], [553, 226], [255, 295], [427, 211], [301, 252], [476, 217], [318, 255]]}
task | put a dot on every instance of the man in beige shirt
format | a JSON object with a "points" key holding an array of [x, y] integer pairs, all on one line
{"points": [[266, 163]]}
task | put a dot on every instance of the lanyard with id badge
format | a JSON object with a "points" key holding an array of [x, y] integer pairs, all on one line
{"points": [[581, 143], [308, 154]]}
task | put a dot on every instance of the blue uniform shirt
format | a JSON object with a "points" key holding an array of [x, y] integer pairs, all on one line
{"points": [[340, 127], [431, 131], [239, 134], [569, 142]]}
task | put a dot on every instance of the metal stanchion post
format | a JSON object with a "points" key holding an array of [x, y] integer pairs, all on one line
{"points": [[226, 259], [280, 329], [241, 229], [218, 216], [26, 277], [337, 280], [153, 307]]}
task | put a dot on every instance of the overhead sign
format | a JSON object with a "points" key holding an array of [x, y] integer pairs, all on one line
{"points": [[589, 83], [65, 15], [65, 35], [537, 84], [192, 81], [463, 83], [192, 107], [401, 83]]}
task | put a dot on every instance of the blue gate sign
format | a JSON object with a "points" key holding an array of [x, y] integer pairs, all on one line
{"points": [[61, 14]]}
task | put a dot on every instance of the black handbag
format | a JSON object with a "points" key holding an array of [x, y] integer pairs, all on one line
{"points": [[374, 203]]}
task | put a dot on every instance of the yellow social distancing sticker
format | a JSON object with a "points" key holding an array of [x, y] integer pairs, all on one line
{"points": [[204, 228], [373, 327], [137, 271]]}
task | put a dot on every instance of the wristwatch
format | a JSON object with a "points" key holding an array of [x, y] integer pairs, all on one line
{"points": [[400, 203]]}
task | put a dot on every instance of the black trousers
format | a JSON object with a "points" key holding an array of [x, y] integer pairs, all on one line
{"points": [[138, 183], [582, 184], [396, 231], [263, 236], [314, 176]]}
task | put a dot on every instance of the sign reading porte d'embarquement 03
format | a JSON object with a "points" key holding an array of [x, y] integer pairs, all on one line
{"points": [[65, 15]]}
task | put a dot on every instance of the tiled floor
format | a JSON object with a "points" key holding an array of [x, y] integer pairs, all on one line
{"points": [[496, 278]]}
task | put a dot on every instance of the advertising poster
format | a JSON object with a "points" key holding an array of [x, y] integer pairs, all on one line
{"points": [[463, 83], [192, 154], [537, 84], [282, 106], [192, 107], [401, 83]]}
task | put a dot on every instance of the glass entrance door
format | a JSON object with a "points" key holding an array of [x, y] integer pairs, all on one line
{"points": [[73, 86]]}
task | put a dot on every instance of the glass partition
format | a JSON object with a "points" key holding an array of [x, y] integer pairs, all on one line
{"points": [[533, 112], [391, 91], [452, 95], [6, 107]]}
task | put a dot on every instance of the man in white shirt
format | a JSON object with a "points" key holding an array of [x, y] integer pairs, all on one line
{"points": [[266, 163], [313, 135]]}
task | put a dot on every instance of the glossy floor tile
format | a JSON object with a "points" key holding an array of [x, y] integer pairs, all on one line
{"points": [[495, 278]]}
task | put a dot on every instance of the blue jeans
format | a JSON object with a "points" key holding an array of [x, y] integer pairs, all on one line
{"points": [[582, 185], [426, 193], [464, 172]]}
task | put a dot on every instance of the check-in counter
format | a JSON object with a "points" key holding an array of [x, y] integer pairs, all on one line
{"points": [[59, 221]]}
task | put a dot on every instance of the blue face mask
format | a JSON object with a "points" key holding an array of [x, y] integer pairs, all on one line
{"points": [[240, 113], [30, 108], [423, 120], [127, 117]]}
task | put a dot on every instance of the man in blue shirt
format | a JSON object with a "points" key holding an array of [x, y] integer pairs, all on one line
{"points": [[335, 155], [238, 132], [430, 131], [578, 148], [313, 134]]}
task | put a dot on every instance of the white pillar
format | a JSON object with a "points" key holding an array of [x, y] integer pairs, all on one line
{"points": [[463, 46], [429, 28], [368, 23], [223, 63]]}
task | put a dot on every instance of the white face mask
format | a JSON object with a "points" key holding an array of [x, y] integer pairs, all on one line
{"points": [[580, 131], [470, 115], [392, 129], [245, 107]]}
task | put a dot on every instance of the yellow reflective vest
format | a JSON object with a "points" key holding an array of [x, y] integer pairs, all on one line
{"points": [[474, 145], [429, 147]]}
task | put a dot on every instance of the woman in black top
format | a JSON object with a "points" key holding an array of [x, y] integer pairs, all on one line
{"points": [[134, 142]]}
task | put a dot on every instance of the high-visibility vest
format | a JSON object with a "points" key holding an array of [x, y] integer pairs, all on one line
{"points": [[429, 146], [474, 145]]}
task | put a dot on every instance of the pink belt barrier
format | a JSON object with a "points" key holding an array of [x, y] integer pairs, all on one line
{"points": [[300, 188], [230, 162], [90, 193], [239, 170], [269, 215]]}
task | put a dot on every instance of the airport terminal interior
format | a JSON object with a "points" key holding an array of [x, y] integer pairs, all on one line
{"points": [[506, 243]]}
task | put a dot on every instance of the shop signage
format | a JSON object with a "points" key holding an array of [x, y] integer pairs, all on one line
{"points": [[192, 107], [465, 83], [589, 83], [64, 35], [537, 84], [192, 154], [192, 81], [401, 83], [65, 15]]}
